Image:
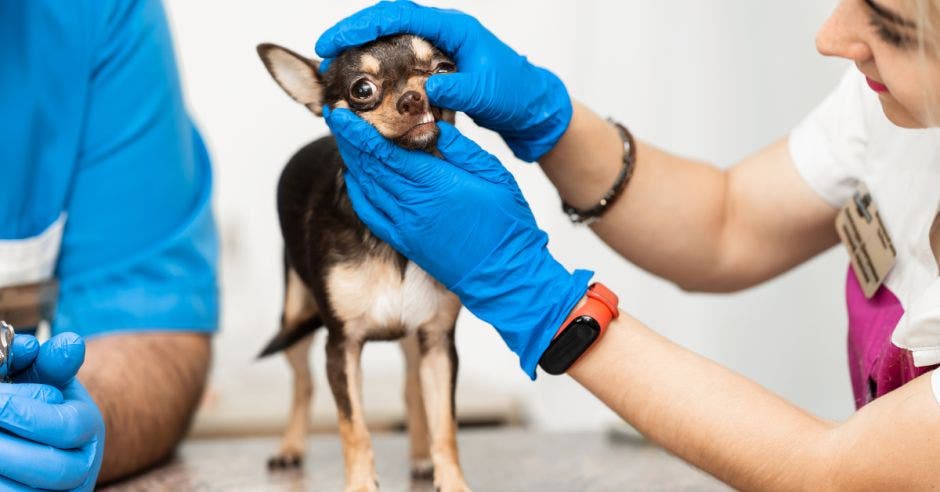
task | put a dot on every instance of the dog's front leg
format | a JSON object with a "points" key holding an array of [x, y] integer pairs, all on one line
{"points": [[345, 375], [438, 373]]}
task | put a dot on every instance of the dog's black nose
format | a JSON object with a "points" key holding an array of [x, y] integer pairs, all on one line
{"points": [[410, 103]]}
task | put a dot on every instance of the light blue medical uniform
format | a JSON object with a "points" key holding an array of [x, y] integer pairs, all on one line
{"points": [[95, 139]]}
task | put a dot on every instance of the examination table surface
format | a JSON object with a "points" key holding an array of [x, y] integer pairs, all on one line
{"points": [[493, 460]]}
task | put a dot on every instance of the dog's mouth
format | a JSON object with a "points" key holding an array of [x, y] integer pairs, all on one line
{"points": [[426, 119], [423, 134]]}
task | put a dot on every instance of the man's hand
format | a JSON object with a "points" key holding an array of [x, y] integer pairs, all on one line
{"points": [[22, 354], [54, 432], [464, 221], [497, 87]]}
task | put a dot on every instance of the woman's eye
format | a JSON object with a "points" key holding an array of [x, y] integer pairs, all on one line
{"points": [[363, 90], [890, 36], [445, 67]]}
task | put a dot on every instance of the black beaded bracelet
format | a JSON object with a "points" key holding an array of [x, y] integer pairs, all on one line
{"points": [[626, 172]]}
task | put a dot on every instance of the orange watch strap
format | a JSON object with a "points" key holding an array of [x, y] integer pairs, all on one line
{"points": [[601, 305]]}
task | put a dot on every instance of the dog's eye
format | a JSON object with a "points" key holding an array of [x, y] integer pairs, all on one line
{"points": [[445, 67], [363, 90]]}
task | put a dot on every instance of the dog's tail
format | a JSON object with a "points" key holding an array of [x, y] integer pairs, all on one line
{"points": [[297, 329], [289, 336]]}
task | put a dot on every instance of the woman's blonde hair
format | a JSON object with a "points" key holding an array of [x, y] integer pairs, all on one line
{"points": [[927, 18]]}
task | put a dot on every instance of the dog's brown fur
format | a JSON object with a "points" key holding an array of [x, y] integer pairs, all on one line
{"points": [[340, 275]]}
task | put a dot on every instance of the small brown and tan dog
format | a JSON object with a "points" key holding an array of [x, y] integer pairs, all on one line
{"points": [[339, 275]]}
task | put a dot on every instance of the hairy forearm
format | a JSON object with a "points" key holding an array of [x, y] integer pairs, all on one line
{"points": [[147, 386], [699, 226], [705, 414]]}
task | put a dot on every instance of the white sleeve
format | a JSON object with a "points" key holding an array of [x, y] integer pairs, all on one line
{"points": [[829, 145]]}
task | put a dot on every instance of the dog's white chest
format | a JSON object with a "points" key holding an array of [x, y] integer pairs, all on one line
{"points": [[374, 297]]}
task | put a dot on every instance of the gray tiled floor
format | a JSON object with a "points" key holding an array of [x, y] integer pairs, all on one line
{"points": [[493, 460]]}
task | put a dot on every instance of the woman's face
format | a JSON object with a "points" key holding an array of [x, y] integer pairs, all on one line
{"points": [[880, 36]]}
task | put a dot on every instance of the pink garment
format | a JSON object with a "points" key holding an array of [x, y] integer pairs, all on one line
{"points": [[877, 366]]}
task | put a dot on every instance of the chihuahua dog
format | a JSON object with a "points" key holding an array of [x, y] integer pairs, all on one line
{"points": [[340, 275]]}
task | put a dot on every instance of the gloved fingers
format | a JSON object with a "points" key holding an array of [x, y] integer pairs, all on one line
{"points": [[438, 26], [41, 392], [465, 154], [361, 27], [24, 351], [11, 486], [378, 221], [324, 65], [377, 176], [352, 132], [41, 466], [75, 391], [58, 360], [357, 134], [384, 195], [360, 164], [65, 425], [457, 91]]}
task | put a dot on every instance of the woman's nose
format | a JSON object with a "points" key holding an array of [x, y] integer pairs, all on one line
{"points": [[842, 34]]}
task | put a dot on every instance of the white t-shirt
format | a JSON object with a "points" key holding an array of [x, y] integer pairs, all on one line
{"points": [[846, 141]]}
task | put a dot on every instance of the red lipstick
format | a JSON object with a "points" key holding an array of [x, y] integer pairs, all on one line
{"points": [[876, 86]]}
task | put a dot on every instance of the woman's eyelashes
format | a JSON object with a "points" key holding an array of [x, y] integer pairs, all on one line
{"points": [[891, 36]]}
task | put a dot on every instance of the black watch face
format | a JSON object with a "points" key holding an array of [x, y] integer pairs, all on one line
{"points": [[570, 344]]}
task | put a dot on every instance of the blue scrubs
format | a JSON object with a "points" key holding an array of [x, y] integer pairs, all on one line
{"points": [[94, 133]]}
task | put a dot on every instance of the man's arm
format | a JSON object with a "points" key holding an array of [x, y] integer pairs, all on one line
{"points": [[750, 438], [147, 386], [702, 227]]}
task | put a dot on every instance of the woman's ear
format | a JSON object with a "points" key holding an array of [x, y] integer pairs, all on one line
{"points": [[297, 75]]}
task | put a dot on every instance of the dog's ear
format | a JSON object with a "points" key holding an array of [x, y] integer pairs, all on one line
{"points": [[297, 75]]}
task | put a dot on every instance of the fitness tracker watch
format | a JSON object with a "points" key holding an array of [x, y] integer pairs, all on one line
{"points": [[583, 327]]}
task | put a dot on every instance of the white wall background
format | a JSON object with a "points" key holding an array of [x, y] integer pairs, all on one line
{"points": [[714, 79]]}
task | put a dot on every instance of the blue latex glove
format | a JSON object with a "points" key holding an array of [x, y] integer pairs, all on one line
{"points": [[465, 222], [527, 105], [54, 433], [22, 355]]}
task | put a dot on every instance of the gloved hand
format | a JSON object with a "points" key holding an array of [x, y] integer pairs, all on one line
{"points": [[54, 433], [22, 355], [527, 105], [465, 222]]}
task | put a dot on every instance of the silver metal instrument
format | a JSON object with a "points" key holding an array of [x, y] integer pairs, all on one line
{"points": [[6, 344]]}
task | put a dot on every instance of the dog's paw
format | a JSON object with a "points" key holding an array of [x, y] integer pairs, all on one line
{"points": [[365, 486], [453, 487], [450, 482], [286, 460], [422, 469]]}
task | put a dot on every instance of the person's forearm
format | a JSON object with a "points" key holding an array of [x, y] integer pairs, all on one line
{"points": [[750, 438], [147, 386], [707, 415], [690, 222], [668, 220]]}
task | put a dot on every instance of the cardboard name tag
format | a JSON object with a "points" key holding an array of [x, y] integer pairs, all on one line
{"points": [[864, 235]]}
